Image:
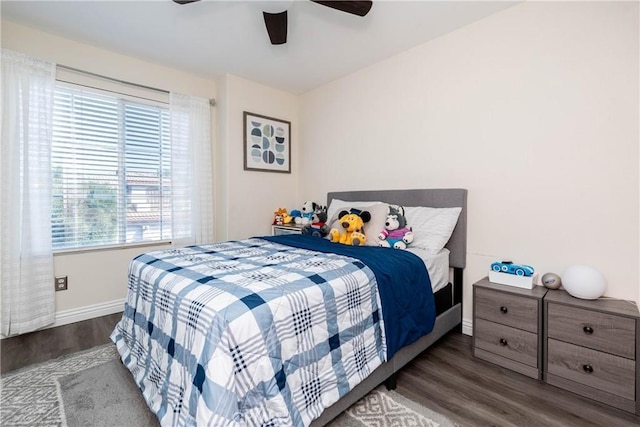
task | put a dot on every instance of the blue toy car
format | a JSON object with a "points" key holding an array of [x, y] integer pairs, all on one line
{"points": [[511, 268]]}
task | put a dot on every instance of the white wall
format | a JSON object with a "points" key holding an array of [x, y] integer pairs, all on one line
{"points": [[249, 198], [534, 110], [98, 278]]}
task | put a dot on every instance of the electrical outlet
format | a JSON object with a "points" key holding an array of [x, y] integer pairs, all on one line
{"points": [[61, 283]]}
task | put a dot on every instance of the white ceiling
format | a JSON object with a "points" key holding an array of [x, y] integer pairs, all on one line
{"points": [[213, 37]]}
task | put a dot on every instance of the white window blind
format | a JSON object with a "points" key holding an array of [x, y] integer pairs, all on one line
{"points": [[110, 169]]}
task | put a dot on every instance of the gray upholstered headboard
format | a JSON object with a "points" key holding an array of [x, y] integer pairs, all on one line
{"points": [[436, 198]]}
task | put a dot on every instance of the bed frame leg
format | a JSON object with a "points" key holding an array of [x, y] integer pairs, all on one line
{"points": [[391, 382]]}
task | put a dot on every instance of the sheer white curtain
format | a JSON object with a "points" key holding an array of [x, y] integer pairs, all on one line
{"points": [[26, 256], [191, 170]]}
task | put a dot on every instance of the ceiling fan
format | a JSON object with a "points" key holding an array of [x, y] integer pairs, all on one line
{"points": [[276, 23]]}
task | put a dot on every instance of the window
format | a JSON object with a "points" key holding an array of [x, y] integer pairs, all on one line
{"points": [[110, 169]]}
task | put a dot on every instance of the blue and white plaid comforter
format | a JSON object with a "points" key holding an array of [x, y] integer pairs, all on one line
{"points": [[248, 333]]}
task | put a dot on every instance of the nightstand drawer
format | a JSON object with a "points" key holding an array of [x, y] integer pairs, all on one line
{"points": [[512, 343], [506, 309], [280, 230], [605, 332], [606, 372]]}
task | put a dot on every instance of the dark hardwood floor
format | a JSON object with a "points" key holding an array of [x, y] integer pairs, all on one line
{"points": [[40, 346], [448, 379]]}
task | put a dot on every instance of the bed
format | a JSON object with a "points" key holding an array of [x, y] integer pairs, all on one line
{"points": [[283, 330]]}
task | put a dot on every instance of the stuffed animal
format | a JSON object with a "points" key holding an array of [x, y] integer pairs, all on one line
{"points": [[286, 218], [318, 226], [278, 216], [396, 234], [305, 215], [352, 222], [319, 215]]}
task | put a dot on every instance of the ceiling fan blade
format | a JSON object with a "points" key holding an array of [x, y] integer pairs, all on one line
{"points": [[276, 24], [360, 8], [185, 1]]}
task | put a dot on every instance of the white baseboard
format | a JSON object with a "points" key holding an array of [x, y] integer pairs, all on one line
{"points": [[87, 312], [66, 317], [467, 327]]}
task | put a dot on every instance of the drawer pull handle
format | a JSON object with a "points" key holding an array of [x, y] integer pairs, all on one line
{"points": [[588, 330], [587, 368], [503, 342], [504, 309]]}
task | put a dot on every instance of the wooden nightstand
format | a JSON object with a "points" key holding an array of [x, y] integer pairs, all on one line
{"points": [[279, 230], [592, 348], [507, 326]]}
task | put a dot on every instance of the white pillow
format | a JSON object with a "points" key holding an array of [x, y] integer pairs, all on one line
{"points": [[337, 205], [432, 227], [372, 228]]}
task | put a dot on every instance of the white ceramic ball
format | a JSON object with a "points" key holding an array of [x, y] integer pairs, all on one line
{"points": [[551, 280], [582, 281]]}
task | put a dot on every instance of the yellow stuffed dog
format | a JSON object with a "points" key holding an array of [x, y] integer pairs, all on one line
{"points": [[352, 222]]}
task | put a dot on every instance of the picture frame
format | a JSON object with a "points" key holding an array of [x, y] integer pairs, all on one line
{"points": [[267, 143]]}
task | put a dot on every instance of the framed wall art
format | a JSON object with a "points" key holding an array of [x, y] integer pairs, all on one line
{"points": [[267, 144]]}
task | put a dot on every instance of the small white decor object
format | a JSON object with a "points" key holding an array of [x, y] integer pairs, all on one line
{"points": [[582, 281], [551, 280], [525, 282]]}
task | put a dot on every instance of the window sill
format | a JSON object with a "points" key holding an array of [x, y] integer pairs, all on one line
{"points": [[61, 252]]}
